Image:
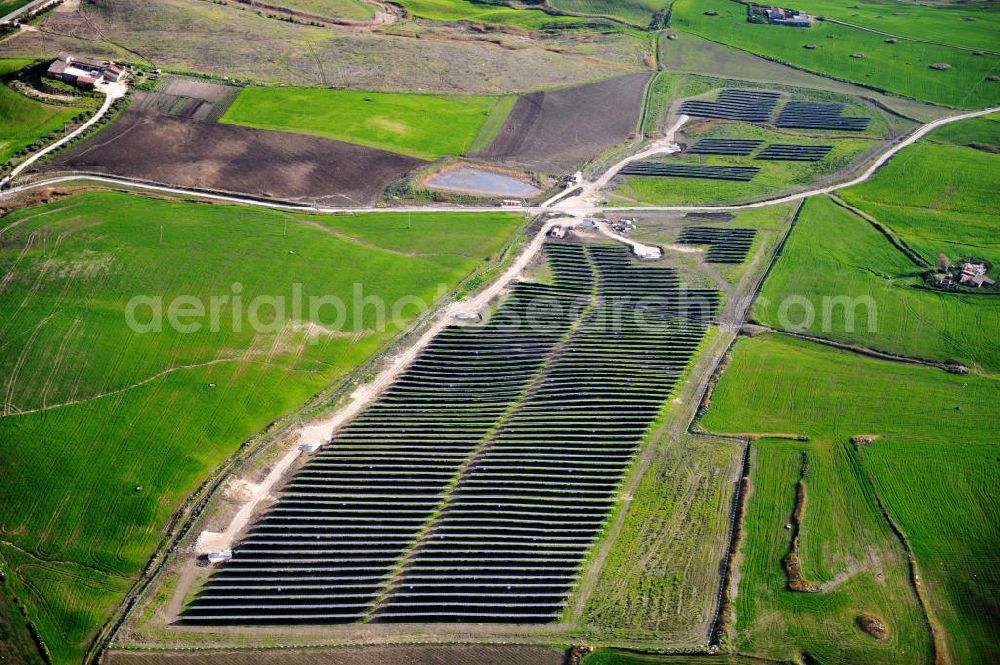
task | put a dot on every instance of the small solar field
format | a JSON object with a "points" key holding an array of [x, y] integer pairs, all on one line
{"points": [[820, 115], [794, 152], [685, 170], [726, 245], [735, 104], [725, 146], [475, 487]]}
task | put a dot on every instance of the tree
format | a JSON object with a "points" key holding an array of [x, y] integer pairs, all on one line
{"points": [[944, 263]]}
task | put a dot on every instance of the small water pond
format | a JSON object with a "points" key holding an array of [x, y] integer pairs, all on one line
{"points": [[484, 183]]}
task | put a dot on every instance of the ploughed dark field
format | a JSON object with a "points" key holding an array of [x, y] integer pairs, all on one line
{"points": [[149, 144], [555, 131]]}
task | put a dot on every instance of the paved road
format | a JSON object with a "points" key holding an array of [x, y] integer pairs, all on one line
{"points": [[27, 8], [565, 207], [112, 91]]}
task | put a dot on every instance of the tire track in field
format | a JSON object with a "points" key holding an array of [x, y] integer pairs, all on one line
{"points": [[139, 384], [57, 306], [58, 562], [8, 403], [12, 272], [58, 360]]}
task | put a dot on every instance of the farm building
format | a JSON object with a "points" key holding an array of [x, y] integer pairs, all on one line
{"points": [[790, 17], [974, 274], [84, 74], [779, 16]]}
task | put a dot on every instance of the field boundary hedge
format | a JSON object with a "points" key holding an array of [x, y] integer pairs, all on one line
{"points": [[898, 243]]}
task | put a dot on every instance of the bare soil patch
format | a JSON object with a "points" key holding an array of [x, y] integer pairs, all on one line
{"points": [[459, 654], [148, 145], [557, 130]]}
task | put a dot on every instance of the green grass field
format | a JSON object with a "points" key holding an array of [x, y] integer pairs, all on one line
{"points": [[903, 67], [425, 126], [465, 10], [779, 384], [940, 195], [940, 22], [7, 6], [24, 120], [937, 196], [832, 254], [945, 500], [355, 10], [636, 12], [984, 131], [844, 543], [776, 384], [92, 409]]}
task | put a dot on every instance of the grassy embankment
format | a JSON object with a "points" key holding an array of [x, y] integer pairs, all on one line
{"points": [[902, 67], [935, 197], [661, 578], [424, 126], [24, 120], [92, 410], [776, 384]]}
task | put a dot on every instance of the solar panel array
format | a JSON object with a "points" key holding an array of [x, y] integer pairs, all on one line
{"points": [[686, 170], [735, 104], [726, 245], [820, 115], [794, 153], [474, 488], [724, 146]]}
